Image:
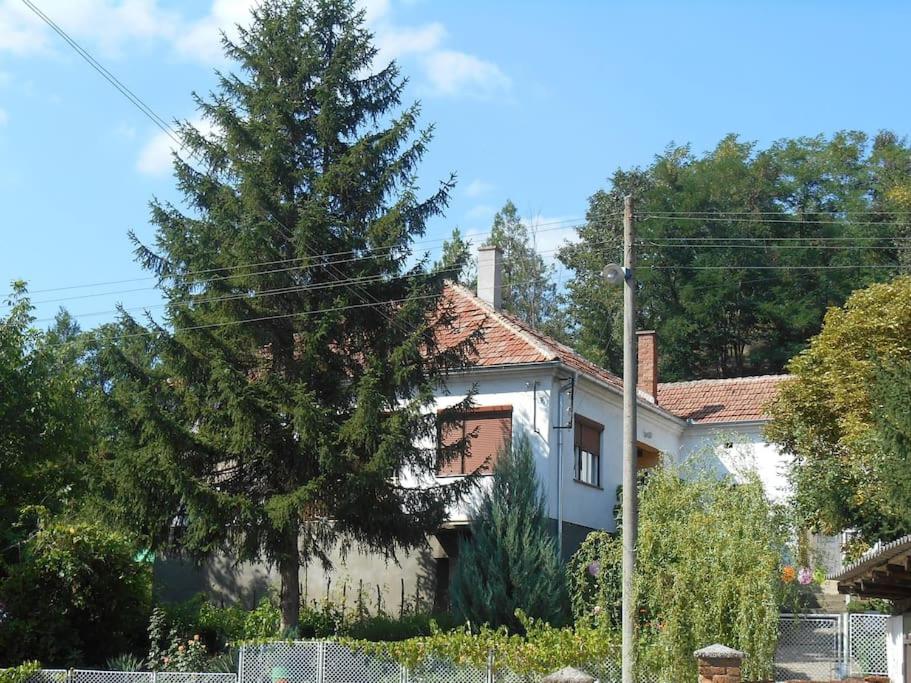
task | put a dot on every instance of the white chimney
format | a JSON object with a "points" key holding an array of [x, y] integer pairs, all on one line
{"points": [[490, 275]]}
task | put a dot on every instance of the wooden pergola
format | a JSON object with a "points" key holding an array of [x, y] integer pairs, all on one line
{"points": [[883, 572]]}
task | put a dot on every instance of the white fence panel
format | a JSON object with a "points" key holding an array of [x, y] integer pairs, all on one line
{"points": [[867, 637]]}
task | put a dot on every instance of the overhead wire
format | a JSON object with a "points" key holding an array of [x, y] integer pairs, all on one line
{"points": [[381, 253]]}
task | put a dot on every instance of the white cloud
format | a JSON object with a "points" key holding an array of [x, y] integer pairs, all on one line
{"points": [[108, 25], [478, 187], [453, 73], [155, 157], [201, 40], [394, 42], [480, 211], [4, 117], [112, 26]]}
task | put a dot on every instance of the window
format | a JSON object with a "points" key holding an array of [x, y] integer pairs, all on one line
{"points": [[487, 430], [588, 451]]}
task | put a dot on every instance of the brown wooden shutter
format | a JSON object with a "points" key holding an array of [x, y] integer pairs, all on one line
{"points": [[588, 435], [492, 431], [488, 429], [449, 435]]}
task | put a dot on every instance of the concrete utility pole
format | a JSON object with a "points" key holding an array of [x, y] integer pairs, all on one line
{"points": [[630, 380], [615, 275]]}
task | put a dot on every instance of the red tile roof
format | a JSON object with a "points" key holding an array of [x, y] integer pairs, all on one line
{"points": [[706, 401], [510, 341]]}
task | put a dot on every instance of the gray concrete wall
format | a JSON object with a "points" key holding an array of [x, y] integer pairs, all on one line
{"points": [[414, 580], [404, 583]]}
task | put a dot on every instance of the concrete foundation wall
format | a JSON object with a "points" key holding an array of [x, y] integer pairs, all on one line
{"points": [[393, 585]]}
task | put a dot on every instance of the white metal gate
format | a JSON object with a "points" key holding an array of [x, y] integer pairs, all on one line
{"points": [[830, 646]]}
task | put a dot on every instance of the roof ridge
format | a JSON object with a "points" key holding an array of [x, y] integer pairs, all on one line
{"points": [[497, 316], [725, 380]]}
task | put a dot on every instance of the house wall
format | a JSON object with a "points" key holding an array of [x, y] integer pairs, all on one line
{"points": [[594, 507], [735, 449]]}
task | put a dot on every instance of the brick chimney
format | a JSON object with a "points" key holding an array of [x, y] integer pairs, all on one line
{"points": [[648, 362], [490, 275]]}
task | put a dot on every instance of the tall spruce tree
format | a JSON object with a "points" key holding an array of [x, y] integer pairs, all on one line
{"points": [[510, 561], [529, 290], [294, 380]]}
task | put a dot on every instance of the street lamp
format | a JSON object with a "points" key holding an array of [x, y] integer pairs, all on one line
{"points": [[617, 275]]}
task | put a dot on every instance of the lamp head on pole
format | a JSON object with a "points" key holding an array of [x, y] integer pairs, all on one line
{"points": [[615, 274]]}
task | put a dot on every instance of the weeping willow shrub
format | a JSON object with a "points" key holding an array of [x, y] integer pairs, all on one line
{"points": [[709, 557]]}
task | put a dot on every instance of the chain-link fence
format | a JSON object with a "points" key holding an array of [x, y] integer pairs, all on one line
{"points": [[810, 647], [97, 676], [318, 662]]}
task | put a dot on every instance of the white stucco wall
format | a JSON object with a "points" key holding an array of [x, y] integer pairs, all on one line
{"points": [[530, 416], [735, 449]]}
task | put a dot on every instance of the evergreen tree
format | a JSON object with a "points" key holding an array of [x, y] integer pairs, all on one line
{"points": [[529, 291], [455, 261], [292, 386], [510, 561]]}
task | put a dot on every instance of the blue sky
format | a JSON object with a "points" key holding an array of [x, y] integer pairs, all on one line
{"points": [[534, 101]]}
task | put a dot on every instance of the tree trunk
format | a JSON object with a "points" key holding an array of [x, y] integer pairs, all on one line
{"points": [[289, 571]]}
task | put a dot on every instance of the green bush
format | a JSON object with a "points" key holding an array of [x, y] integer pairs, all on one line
{"points": [[709, 557], [76, 597], [540, 648], [510, 561], [19, 674]]}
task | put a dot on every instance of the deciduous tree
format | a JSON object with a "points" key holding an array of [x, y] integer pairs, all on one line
{"points": [[827, 415], [743, 249]]}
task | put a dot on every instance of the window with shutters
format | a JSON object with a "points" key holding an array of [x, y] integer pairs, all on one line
{"points": [[488, 430], [588, 451]]}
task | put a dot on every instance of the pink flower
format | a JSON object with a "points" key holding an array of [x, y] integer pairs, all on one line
{"points": [[594, 568], [805, 576]]}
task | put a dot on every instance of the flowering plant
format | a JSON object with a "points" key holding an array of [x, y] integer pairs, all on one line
{"points": [[804, 576], [788, 574]]}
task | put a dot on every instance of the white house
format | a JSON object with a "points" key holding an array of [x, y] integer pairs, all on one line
{"points": [[571, 410]]}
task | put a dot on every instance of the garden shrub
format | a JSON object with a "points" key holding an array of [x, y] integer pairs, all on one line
{"points": [[510, 561], [540, 648], [709, 557], [19, 674], [75, 598]]}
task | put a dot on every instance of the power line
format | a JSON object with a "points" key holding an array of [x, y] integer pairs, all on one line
{"points": [[764, 221], [107, 75], [246, 296], [95, 295], [333, 309], [376, 254], [891, 266], [844, 247], [869, 212]]}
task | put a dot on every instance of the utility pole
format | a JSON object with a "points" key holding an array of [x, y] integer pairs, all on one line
{"points": [[615, 275], [630, 380]]}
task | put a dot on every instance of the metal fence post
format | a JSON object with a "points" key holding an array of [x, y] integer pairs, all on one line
{"points": [[846, 644], [320, 662], [490, 676], [240, 663]]}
